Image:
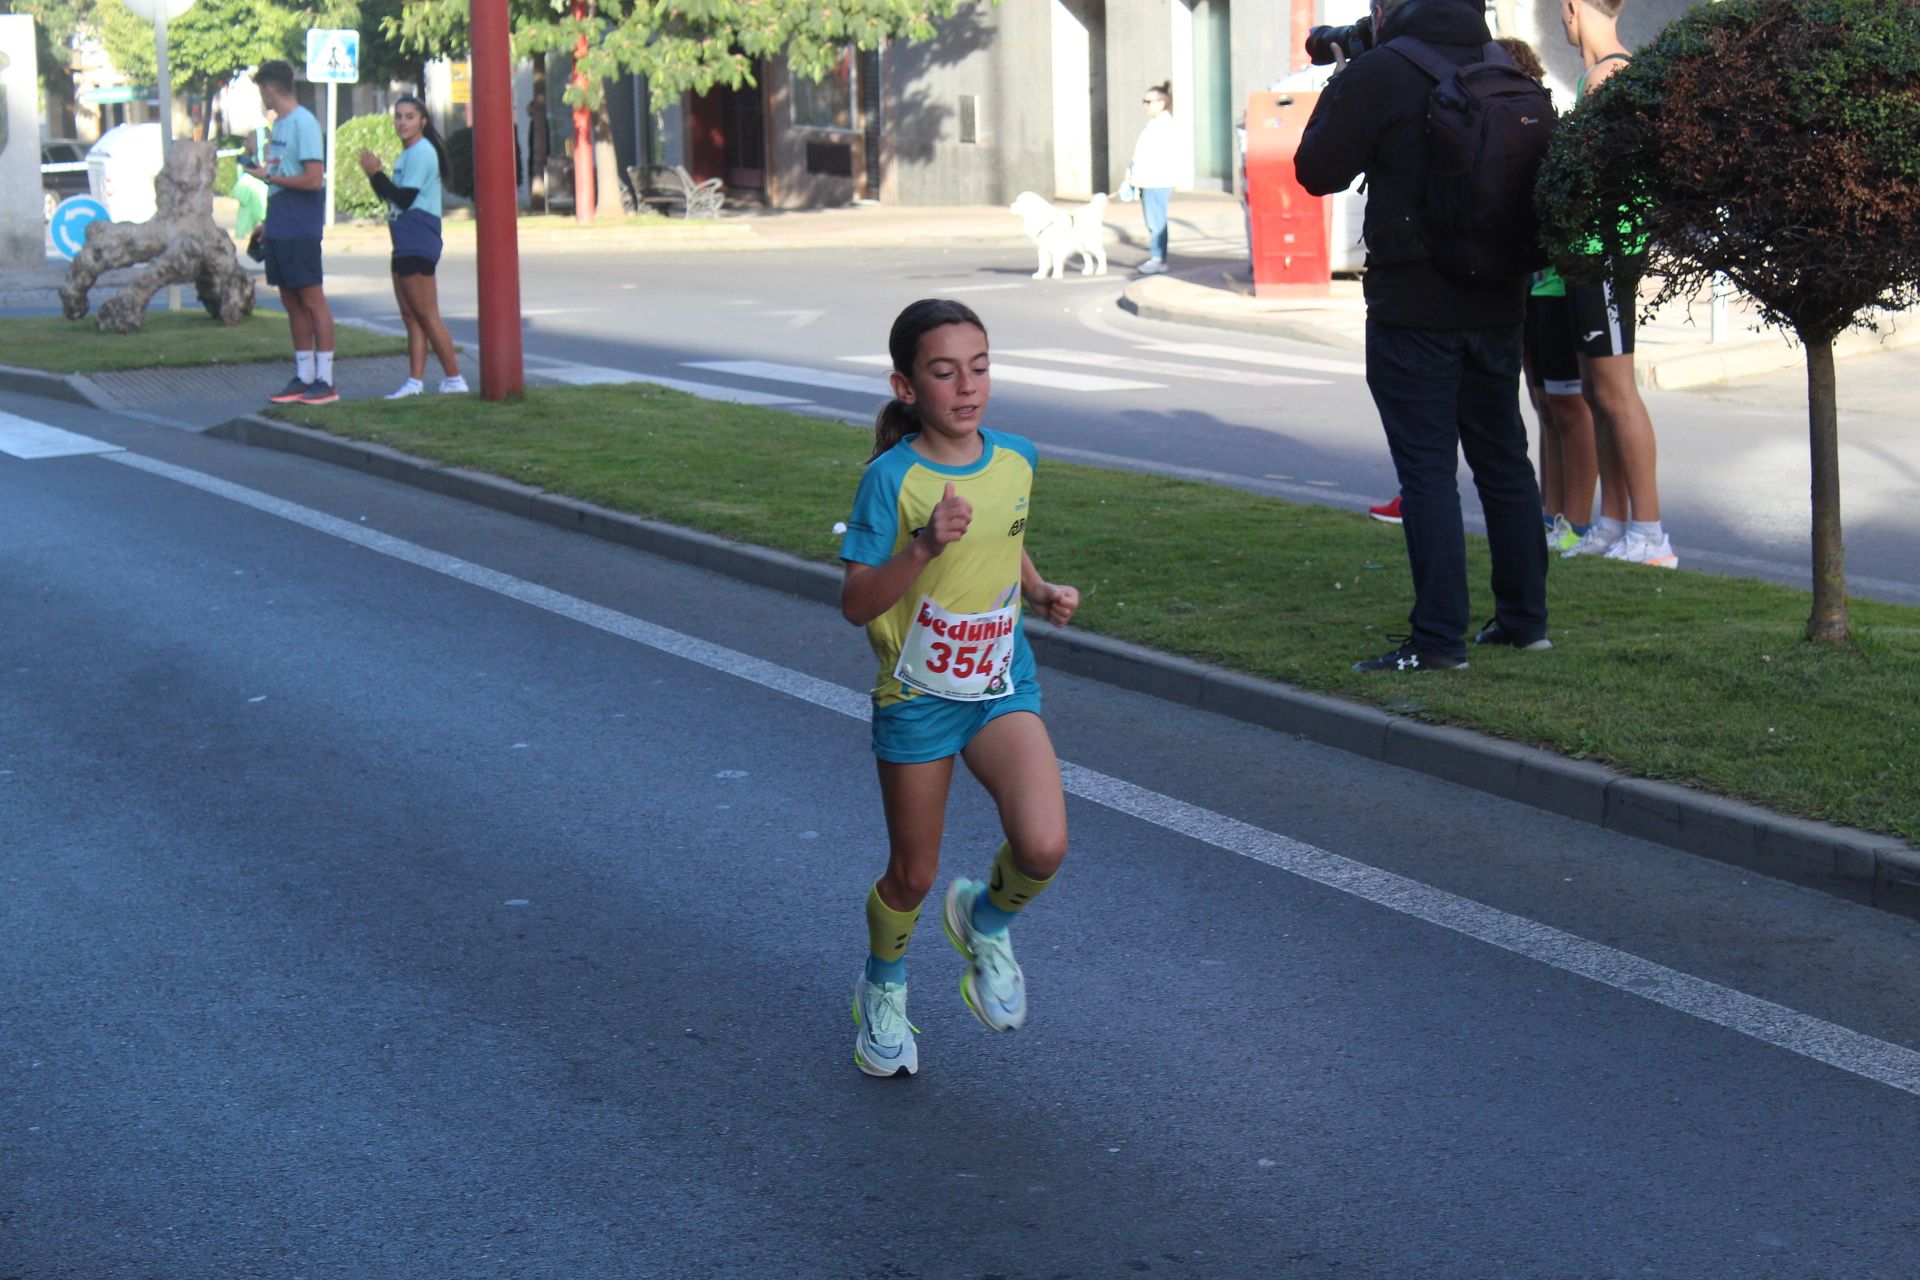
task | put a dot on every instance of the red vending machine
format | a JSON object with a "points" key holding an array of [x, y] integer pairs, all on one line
{"points": [[1288, 228]]}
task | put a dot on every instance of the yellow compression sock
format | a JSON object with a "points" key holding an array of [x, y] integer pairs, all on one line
{"points": [[1008, 890], [888, 930]]}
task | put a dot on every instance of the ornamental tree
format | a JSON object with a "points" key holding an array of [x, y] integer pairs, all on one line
{"points": [[1776, 142], [680, 46]]}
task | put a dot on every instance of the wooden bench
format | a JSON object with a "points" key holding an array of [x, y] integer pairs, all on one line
{"points": [[665, 187]]}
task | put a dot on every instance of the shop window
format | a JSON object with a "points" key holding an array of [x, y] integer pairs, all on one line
{"points": [[826, 103]]}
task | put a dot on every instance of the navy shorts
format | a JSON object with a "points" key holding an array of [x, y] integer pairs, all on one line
{"points": [[1552, 363], [292, 264], [926, 727], [412, 265]]}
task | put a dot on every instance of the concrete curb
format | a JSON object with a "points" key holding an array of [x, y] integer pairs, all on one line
{"points": [[74, 388], [1875, 870], [1774, 354], [1332, 321]]}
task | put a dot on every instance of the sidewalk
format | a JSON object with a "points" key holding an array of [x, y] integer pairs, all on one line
{"points": [[1673, 351]]}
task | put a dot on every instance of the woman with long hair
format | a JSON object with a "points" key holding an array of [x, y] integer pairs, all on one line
{"points": [[413, 221]]}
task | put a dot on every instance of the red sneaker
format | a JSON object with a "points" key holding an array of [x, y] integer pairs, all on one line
{"points": [[1387, 512]]}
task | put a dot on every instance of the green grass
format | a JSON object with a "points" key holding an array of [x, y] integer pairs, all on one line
{"points": [[1681, 676], [171, 339]]}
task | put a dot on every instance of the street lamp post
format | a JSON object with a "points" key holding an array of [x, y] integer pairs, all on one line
{"points": [[159, 13]]}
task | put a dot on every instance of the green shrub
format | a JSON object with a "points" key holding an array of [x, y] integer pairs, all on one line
{"points": [[352, 194], [226, 169], [460, 163]]}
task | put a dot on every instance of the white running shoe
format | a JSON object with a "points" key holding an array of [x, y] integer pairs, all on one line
{"points": [[411, 387], [1592, 543], [1635, 550], [453, 386], [884, 1045], [993, 986]]}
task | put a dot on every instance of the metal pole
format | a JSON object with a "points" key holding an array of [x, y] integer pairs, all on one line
{"points": [[333, 91], [165, 90], [502, 369], [166, 82], [583, 157]]}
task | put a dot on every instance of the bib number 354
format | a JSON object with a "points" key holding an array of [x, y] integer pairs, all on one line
{"points": [[964, 656]]}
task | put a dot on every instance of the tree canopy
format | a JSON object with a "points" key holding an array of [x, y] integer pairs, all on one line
{"points": [[680, 45], [1774, 141]]}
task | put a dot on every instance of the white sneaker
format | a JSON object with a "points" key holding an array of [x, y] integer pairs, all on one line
{"points": [[1592, 543], [411, 387], [453, 386], [993, 986], [1636, 550], [884, 1045], [1152, 267]]}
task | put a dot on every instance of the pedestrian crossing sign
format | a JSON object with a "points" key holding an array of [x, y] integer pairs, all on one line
{"points": [[333, 56]]}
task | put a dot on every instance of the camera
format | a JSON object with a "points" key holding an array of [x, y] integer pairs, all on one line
{"points": [[1334, 44]]}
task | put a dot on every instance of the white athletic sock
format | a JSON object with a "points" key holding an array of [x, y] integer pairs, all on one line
{"points": [[1648, 530], [323, 363], [1611, 528], [303, 365]]}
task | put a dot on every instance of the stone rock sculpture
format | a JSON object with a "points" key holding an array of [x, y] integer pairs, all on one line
{"points": [[180, 244]]}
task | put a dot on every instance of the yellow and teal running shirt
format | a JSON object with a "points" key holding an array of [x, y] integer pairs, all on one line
{"points": [[979, 574]]}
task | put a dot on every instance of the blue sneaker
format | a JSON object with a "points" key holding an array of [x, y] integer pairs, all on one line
{"points": [[883, 1045], [993, 986]]}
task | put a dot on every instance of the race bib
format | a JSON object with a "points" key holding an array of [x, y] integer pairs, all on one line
{"points": [[964, 656]]}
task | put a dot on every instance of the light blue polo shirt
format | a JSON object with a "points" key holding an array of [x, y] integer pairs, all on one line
{"points": [[419, 167], [295, 215]]}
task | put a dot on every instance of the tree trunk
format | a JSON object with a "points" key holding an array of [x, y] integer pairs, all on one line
{"points": [[1828, 623], [606, 161], [537, 140]]}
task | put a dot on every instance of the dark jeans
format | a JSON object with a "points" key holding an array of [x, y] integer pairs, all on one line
{"points": [[1441, 392]]}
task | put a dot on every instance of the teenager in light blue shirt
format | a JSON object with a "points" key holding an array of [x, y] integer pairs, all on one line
{"points": [[413, 221], [296, 178]]}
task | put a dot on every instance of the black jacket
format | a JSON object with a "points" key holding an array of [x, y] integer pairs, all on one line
{"points": [[1372, 118]]}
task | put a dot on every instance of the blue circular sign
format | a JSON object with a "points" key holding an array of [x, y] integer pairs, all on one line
{"points": [[69, 225]]}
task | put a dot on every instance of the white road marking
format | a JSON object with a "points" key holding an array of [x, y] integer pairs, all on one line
{"points": [[586, 375], [1027, 375], [798, 319], [797, 374], [27, 439], [1165, 368], [1252, 355], [1814, 1038]]}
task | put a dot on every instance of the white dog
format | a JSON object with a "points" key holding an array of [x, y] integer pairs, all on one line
{"points": [[1058, 234]]}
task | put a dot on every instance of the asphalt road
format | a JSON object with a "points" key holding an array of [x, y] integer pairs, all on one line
{"points": [[1087, 380], [394, 888]]}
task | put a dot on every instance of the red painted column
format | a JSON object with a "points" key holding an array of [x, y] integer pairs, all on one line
{"points": [[583, 157], [502, 369]]}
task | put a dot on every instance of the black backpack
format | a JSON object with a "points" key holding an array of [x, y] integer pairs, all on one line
{"points": [[1488, 125]]}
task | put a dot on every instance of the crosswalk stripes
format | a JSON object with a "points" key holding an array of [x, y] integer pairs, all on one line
{"points": [[1165, 368], [1022, 366], [26, 439], [1058, 379]]}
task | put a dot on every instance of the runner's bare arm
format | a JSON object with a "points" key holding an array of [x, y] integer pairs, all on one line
{"points": [[870, 590], [1054, 601]]}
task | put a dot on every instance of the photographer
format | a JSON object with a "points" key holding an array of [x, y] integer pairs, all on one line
{"points": [[1444, 313]]}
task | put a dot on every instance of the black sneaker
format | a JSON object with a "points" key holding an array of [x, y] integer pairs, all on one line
{"points": [[319, 392], [1408, 658], [1494, 633], [289, 393]]}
